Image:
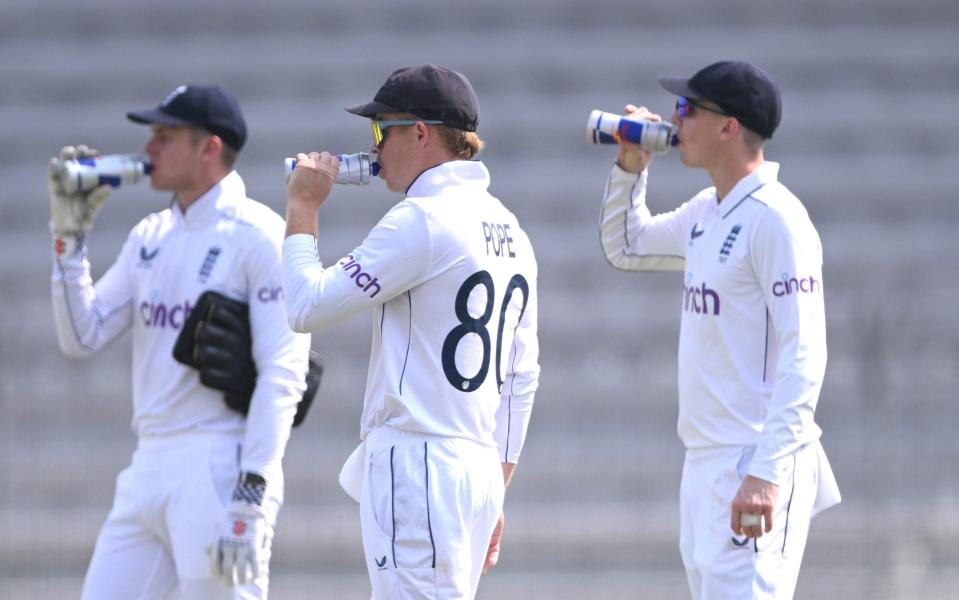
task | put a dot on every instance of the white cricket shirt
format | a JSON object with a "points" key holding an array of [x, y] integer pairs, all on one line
{"points": [[225, 242], [451, 279], [752, 344]]}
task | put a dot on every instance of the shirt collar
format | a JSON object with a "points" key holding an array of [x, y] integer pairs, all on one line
{"points": [[768, 172], [455, 172], [216, 199]]}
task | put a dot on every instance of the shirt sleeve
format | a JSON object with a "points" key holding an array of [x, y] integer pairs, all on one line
{"points": [[87, 316], [281, 358], [787, 258], [520, 382], [633, 239], [395, 256]]}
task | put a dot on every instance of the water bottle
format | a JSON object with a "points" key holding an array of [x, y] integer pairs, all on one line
{"points": [[355, 169], [608, 128], [85, 174]]}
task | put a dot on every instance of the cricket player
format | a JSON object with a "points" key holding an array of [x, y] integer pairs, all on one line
{"points": [[752, 342], [200, 498], [449, 277]]}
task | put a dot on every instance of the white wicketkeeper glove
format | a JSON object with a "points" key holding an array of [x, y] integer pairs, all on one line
{"points": [[242, 552], [71, 215]]}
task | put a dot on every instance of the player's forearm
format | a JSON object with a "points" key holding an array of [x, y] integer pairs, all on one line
{"points": [[268, 429], [81, 328], [790, 423], [512, 421], [628, 240], [301, 265], [279, 387], [316, 297], [613, 228]]}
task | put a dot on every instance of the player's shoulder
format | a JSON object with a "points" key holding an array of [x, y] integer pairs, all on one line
{"points": [[704, 195], [781, 217], [260, 215], [255, 219], [770, 201], [703, 200], [407, 213], [779, 204], [420, 206], [153, 223], [460, 204], [777, 196]]}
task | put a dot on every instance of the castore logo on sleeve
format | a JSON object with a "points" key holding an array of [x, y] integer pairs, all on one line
{"points": [[699, 299]]}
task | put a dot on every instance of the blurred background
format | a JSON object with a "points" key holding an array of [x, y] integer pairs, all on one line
{"points": [[868, 141]]}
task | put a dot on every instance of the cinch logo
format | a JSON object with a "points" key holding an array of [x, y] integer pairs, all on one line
{"points": [[364, 281], [792, 285], [701, 299], [269, 293], [158, 314]]}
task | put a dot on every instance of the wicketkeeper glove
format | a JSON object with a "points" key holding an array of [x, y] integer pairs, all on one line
{"points": [[224, 348], [217, 341], [242, 552], [71, 215]]}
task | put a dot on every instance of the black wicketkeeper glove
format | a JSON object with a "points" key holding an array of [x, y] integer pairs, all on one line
{"points": [[217, 341]]}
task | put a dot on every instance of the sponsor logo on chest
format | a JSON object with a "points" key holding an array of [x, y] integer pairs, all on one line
{"points": [[699, 298], [155, 312]]}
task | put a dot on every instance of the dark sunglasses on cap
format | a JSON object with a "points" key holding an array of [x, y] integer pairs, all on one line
{"points": [[685, 106], [379, 125]]}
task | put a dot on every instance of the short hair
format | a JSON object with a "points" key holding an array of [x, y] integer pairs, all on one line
{"points": [[227, 157], [753, 140], [465, 145]]}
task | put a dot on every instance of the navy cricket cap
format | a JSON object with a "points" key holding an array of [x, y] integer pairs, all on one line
{"points": [[429, 92], [206, 106], [742, 90]]}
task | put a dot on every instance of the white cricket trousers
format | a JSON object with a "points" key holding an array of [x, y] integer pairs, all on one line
{"points": [[720, 565], [168, 509], [427, 510]]}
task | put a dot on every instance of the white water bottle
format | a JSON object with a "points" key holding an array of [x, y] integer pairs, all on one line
{"points": [[355, 169], [85, 174]]}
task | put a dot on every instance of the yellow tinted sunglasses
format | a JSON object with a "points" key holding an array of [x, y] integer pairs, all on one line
{"points": [[378, 126]]}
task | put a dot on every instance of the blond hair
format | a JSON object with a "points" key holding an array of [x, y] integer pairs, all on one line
{"points": [[465, 145]]}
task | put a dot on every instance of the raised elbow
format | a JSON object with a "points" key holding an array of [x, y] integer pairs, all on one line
{"points": [[296, 321], [74, 350], [298, 327]]}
